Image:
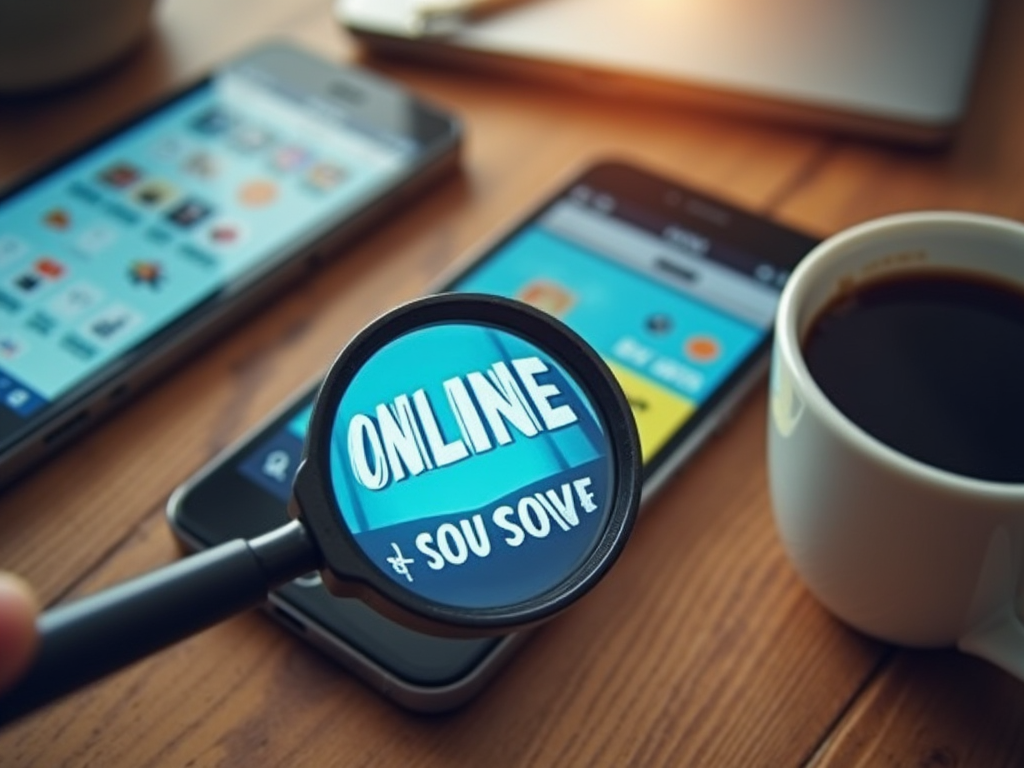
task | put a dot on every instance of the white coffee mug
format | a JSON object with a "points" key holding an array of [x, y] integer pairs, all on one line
{"points": [[899, 549]]}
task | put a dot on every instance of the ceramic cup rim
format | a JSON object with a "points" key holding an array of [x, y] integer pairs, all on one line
{"points": [[809, 272]]}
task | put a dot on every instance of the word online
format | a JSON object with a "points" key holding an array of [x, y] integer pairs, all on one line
{"points": [[404, 438]]}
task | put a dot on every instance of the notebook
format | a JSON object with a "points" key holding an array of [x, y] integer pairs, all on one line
{"points": [[895, 69]]}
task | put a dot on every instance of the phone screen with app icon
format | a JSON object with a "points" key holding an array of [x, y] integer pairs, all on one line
{"points": [[100, 254], [674, 311], [193, 203], [675, 291]]}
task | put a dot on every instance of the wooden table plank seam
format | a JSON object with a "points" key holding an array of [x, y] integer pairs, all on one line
{"points": [[815, 757], [802, 176], [74, 588]]}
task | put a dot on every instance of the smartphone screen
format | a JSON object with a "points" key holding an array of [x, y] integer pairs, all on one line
{"points": [[675, 291], [675, 300], [187, 206]]}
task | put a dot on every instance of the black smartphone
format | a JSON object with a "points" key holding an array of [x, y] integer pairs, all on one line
{"points": [[676, 290], [120, 258]]}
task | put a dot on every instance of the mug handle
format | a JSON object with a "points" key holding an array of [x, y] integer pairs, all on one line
{"points": [[995, 632]]}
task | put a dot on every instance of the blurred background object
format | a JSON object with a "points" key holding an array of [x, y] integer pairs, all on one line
{"points": [[891, 69], [49, 43]]}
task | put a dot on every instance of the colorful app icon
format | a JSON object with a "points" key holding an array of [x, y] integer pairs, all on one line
{"points": [[58, 219], [50, 268], [249, 138], [147, 273], [224, 234], [212, 122], [202, 165], [659, 324], [702, 348], [324, 177], [76, 300], [257, 193], [96, 238], [12, 248], [189, 213], [111, 323], [155, 193], [120, 175], [547, 296], [27, 282], [45, 270], [17, 398], [276, 465], [289, 158]]}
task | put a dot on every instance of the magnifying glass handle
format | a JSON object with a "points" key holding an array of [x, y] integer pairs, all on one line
{"points": [[84, 641]]}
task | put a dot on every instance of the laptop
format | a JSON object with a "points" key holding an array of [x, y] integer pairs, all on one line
{"points": [[890, 69]]}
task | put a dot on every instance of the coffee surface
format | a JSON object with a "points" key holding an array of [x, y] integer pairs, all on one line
{"points": [[933, 366]]}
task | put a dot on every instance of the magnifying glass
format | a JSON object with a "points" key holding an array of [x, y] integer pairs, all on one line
{"points": [[471, 468]]}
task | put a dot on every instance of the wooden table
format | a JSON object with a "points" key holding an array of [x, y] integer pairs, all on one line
{"points": [[701, 648]]}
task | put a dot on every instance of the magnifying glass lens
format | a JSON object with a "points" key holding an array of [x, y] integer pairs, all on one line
{"points": [[469, 466]]}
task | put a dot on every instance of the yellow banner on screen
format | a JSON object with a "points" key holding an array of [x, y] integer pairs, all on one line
{"points": [[659, 412]]}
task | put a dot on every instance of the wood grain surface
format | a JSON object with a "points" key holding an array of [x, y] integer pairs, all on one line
{"points": [[700, 648]]}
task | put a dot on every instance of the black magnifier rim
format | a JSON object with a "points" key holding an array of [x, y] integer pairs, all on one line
{"points": [[314, 493]]}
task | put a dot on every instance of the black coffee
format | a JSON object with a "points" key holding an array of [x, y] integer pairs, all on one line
{"points": [[933, 366]]}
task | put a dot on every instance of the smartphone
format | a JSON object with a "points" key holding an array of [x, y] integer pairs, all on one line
{"points": [[121, 258], [676, 290]]}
